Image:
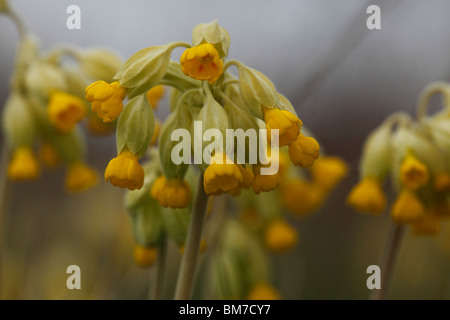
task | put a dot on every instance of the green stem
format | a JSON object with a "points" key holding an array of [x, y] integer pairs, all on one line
{"points": [[433, 88], [160, 270], [192, 248], [390, 256]]}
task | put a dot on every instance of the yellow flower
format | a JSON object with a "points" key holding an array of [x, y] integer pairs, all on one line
{"points": [[202, 63], [124, 171], [280, 237], [107, 99], [156, 132], [203, 246], [265, 183], [49, 155], [288, 125], [23, 165], [247, 180], [99, 128], [429, 225], [172, 193], [80, 177], [65, 110], [441, 182], [367, 196], [221, 177], [145, 256], [328, 171], [304, 151], [413, 173], [263, 291], [154, 95], [301, 197], [407, 208]]}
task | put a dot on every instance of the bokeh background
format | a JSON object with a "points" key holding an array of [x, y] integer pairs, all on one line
{"points": [[343, 80]]}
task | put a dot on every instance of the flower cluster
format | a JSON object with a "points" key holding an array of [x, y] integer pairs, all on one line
{"points": [[416, 155]]}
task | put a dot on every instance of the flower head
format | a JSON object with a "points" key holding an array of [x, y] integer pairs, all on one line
{"points": [[407, 208], [263, 291], [265, 183], [367, 196], [328, 171], [280, 237], [202, 63], [413, 173], [247, 180], [65, 110], [301, 197], [107, 99], [145, 256], [287, 124], [304, 151], [172, 193], [221, 177], [80, 177], [124, 171], [23, 165], [154, 95]]}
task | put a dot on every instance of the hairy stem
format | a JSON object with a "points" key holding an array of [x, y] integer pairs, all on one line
{"points": [[160, 270]]}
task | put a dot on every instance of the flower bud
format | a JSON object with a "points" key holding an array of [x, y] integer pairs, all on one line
{"points": [[144, 69], [147, 223], [99, 64], [214, 34], [376, 154], [135, 126], [42, 78]]}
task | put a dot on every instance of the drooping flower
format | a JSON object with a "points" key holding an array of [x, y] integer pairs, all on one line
{"points": [[328, 171], [288, 125], [107, 99], [413, 172], [304, 151], [266, 182], [301, 197], [202, 63], [80, 177], [221, 177], [367, 196], [65, 110], [124, 171], [280, 237], [145, 256], [154, 95], [172, 193], [407, 208], [247, 180], [23, 165]]}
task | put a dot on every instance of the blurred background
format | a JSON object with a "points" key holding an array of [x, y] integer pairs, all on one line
{"points": [[343, 80]]}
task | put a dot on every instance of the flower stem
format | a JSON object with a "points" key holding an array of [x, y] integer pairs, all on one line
{"points": [[160, 270], [390, 256], [192, 248], [4, 197]]}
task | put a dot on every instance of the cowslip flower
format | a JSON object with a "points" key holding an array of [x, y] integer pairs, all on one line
{"points": [[202, 63], [407, 208], [247, 180], [65, 110], [413, 172], [145, 256], [304, 151], [328, 171], [221, 177], [263, 291], [80, 177], [264, 183], [154, 95], [280, 237], [124, 171], [23, 165], [172, 193], [367, 196], [287, 123], [107, 99], [301, 197]]}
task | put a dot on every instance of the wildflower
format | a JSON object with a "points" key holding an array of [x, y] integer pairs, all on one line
{"points": [[407, 208], [23, 165], [145, 256], [280, 237], [80, 177], [49, 155], [172, 193], [202, 63], [367, 196], [301, 197], [265, 182], [124, 171], [286, 123], [107, 99], [263, 291], [154, 95], [304, 151], [221, 177], [328, 171], [65, 110], [441, 182], [247, 180], [413, 173]]}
